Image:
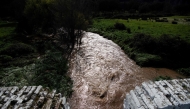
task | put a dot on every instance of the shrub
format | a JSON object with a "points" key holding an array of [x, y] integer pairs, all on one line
{"points": [[173, 50], [174, 22], [17, 49], [143, 43], [5, 58], [120, 26], [184, 71], [144, 59], [164, 51], [21, 61], [187, 20], [51, 71], [128, 30]]}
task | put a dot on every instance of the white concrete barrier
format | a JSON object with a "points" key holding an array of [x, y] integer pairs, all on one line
{"points": [[170, 94], [31, 97]]}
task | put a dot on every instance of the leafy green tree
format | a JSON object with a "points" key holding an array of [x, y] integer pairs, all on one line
{"points": [[38, 16], [73, 16]]}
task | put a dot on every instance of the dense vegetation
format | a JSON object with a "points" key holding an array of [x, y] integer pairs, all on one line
{"points": [[37, 39], [23, 62]]}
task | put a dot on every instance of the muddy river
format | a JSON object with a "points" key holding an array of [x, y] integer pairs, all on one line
{"points": [[102, 74]]}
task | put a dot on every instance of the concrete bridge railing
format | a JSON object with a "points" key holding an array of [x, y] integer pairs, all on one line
{"points": [[31, 97], [170, 94]]}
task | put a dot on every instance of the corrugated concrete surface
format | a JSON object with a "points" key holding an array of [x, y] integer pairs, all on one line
{"points": [[170, 94], [31, 97]]}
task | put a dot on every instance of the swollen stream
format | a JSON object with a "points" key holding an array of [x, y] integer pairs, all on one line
{"points": [[102, 74]]}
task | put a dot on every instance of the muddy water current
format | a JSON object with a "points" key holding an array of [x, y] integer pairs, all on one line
{"points": [[102, 74]]}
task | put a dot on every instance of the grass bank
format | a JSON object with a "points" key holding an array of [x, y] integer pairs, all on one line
{"points": [[148, 27]]}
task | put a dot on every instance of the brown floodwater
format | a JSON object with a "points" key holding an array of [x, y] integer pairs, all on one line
{"points": [[102, 74]]}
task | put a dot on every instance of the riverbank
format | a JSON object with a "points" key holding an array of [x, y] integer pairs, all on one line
{"points": [[148, 42]]}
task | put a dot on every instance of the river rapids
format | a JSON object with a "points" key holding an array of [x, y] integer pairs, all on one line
{"points": [[102, 74]]}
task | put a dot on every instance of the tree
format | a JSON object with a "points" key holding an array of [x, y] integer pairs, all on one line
{"points": [[37, 16], [70, 15], [73, 16]]}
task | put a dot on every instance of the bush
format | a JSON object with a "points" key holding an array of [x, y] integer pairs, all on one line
{"points": [[174, 51], [187, 20], [144, 59], [143, 43], [51, 71], [5, 58], [128, 30], [184, 71], [174, 22], [17, 49], [120, 26], [165, 51], [139, 27]]}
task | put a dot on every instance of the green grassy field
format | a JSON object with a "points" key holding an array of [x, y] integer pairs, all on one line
{"points": [[106, 27]]}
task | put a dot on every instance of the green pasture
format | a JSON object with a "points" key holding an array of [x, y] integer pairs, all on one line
{"points": [[106, 27]]}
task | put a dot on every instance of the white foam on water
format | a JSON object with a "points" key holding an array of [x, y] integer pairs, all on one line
{"points": [[101, 73]]}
